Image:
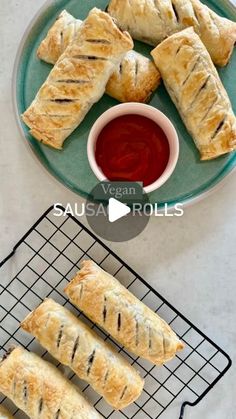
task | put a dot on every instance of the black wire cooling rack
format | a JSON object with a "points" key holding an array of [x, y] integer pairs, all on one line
{"points": [[40, 266]]}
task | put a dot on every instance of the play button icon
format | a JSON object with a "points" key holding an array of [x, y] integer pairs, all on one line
{"points": [[114, 210], [117, 210]]}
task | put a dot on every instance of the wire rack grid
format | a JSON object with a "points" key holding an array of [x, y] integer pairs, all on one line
{"points": [[40, 266]]}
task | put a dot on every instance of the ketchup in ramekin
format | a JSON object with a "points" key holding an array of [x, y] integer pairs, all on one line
{"points": [[132, 148], [133, 142]]}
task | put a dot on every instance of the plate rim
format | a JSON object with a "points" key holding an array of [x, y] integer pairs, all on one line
{"points": [[217, 183]]}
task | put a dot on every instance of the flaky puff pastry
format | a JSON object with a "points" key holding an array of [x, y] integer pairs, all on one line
{"points": [[40, 390], [63, 32], [4, 414], [198, 93], [153, 21], [106, 302], [75, 345], [134, 80], [78, 79]]}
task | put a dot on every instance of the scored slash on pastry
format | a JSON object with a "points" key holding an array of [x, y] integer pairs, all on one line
{"points": [[30, 382], [75, 345], [198, 93], [152, 22], [59, 107], [114, 308], [134, 79], [39, 389], [95, 56]]}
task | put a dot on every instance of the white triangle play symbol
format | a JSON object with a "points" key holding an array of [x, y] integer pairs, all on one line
{"points": [[117, 210]]}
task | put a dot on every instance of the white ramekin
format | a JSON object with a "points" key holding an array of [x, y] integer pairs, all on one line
{"points": [[137, 109]]}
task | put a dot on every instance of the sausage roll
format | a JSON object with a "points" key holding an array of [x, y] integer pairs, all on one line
{"points": [[153, 21], [40, 390], [73, 344], [4, 414], [106, 302], [78, 79], [196, 89], [62, 33], [134, 80]]}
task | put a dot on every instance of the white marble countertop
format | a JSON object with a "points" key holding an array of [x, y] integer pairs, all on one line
{"points": [[190, 260]]}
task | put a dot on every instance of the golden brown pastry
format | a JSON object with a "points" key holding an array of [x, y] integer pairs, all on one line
{"points": [[106, 302], [4, 414], [75, 345], [63, 32], [78, 79], [134, 80], [40, 390], [197, 91], [153, 21]]}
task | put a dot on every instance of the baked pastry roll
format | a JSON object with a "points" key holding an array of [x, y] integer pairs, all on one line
{"points": [[197, 91], [153, 21], [75, 345], [40, 390], [134, 80], [62, 33], [4, 414], [78, 79], [106, 302]]}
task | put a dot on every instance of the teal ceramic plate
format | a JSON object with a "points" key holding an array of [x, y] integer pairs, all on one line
{"points": [[191, 180]]}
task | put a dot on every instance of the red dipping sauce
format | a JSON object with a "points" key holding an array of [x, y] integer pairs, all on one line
{"points": [[132, 148]]}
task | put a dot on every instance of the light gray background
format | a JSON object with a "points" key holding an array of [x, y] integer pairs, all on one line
{"points": [[190, 260]]}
